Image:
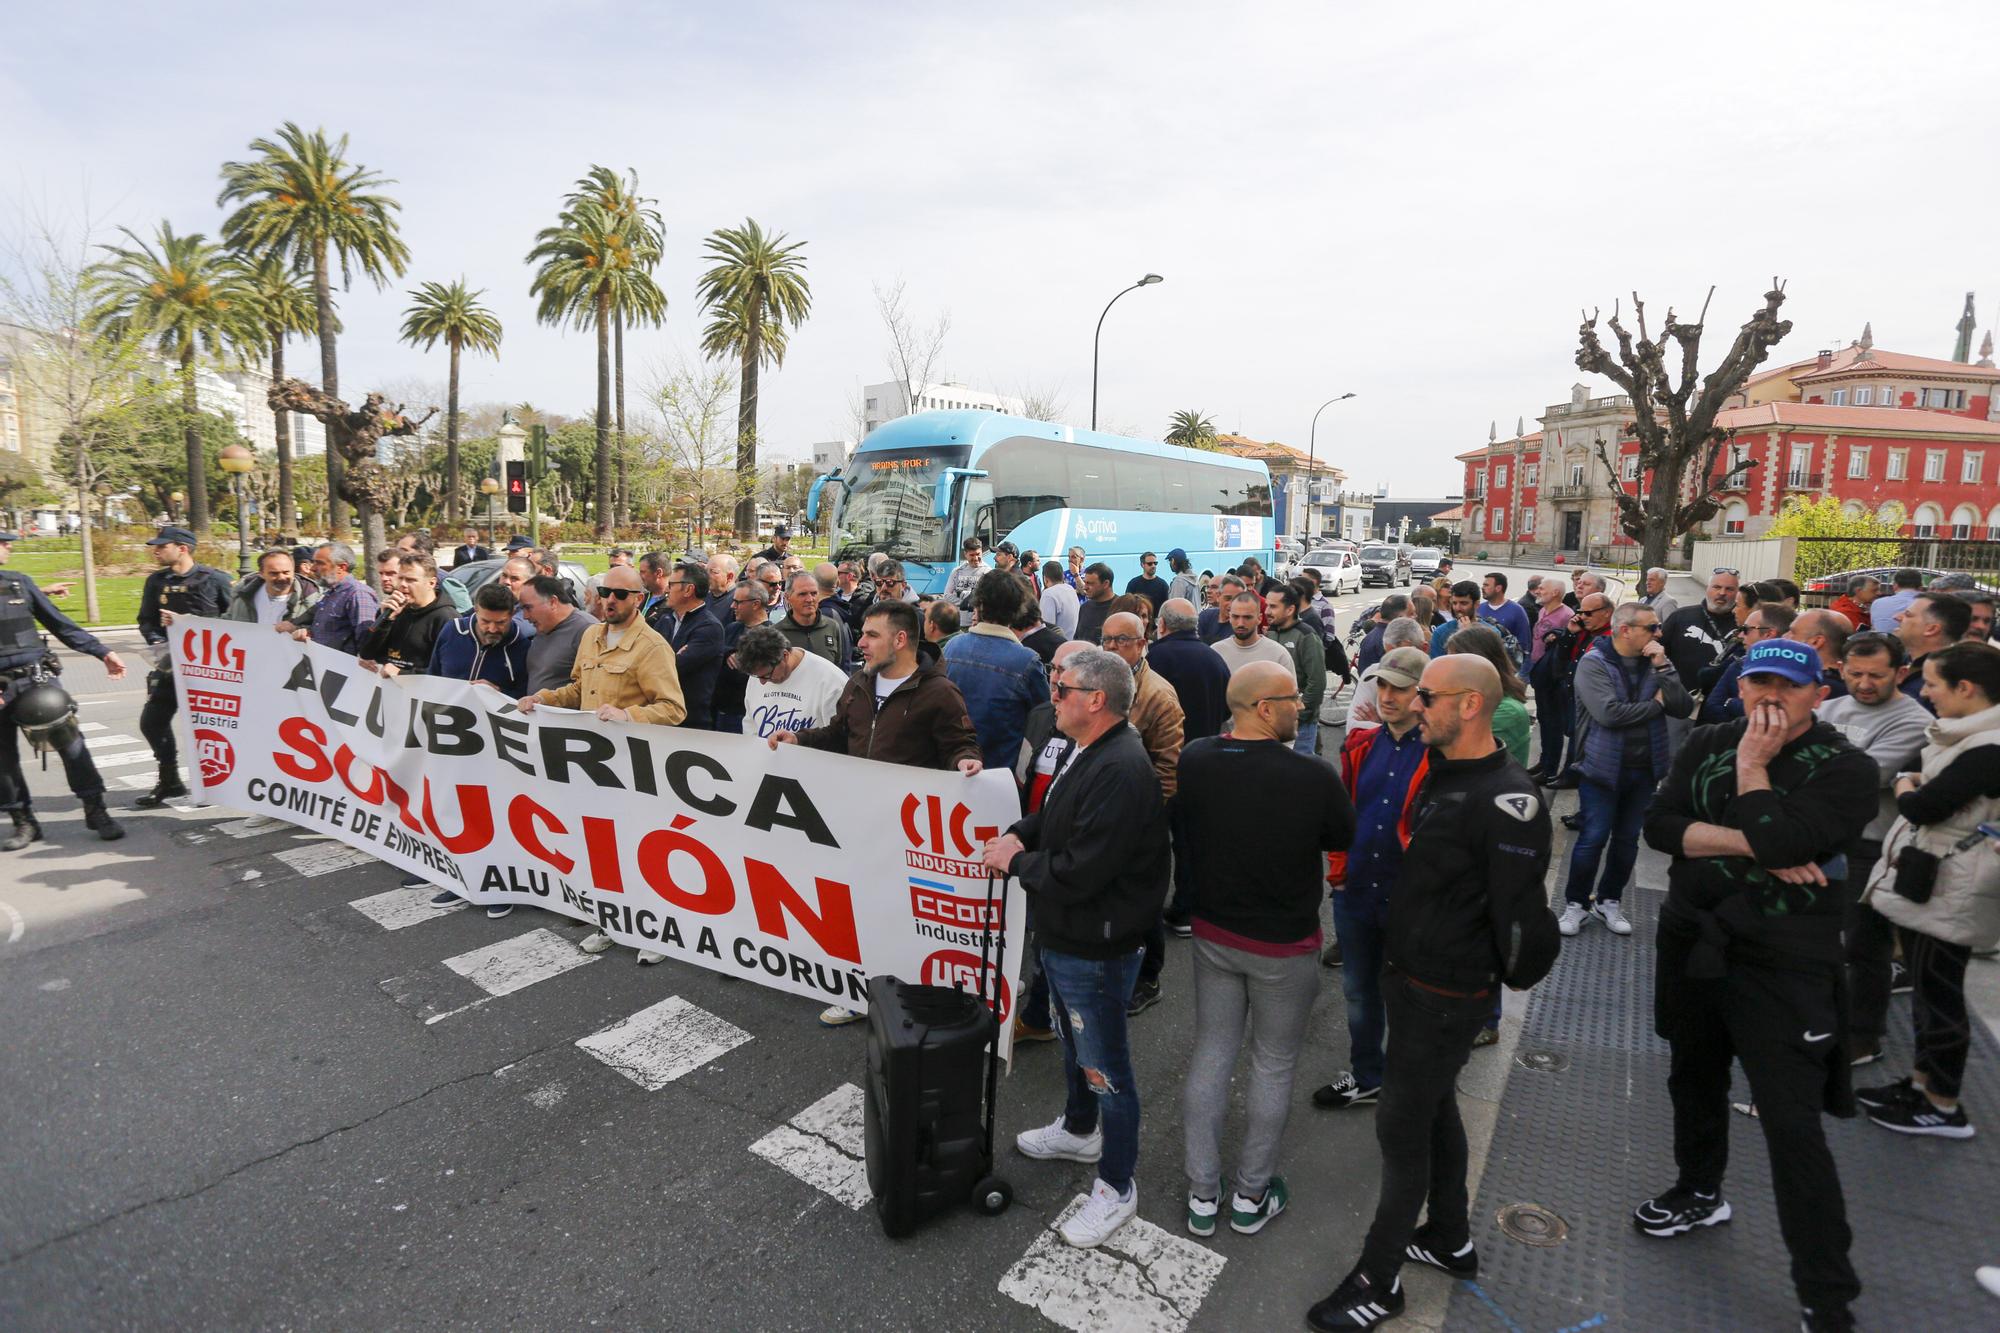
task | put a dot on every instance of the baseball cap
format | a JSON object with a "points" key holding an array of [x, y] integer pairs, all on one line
{"points": [[180, 536], [519, 543], [1177, 556], [779, 532], [1782, 657], [10, 536], [1008, 548], [1401, 667]]}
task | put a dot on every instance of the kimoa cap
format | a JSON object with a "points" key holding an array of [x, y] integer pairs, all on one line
{"points": [[1401, 667], [1782, 657]]}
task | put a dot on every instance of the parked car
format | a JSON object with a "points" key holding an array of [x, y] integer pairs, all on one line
{"points": [[1822, 590], [1288, 551], [1424, 562], [1389, 565], [1339, 571], [480, 572]]}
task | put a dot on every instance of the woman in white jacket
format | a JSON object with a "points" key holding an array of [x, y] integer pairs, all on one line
{"points": [[1940, 885]]}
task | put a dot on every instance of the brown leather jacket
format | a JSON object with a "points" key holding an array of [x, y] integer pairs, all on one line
{"points": [[1156, 715], [923, 722]]}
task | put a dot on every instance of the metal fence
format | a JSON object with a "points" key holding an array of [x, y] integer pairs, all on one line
{"points": [[1820, 556]]}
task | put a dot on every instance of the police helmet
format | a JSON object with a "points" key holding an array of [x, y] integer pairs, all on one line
{"points": [[45, 714]]}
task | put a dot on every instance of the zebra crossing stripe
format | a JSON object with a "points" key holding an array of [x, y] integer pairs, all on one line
{"points": [[323, 858], [517, 963], [399, 909], [822, 1145], [663, 1042], [1142, 1277]]}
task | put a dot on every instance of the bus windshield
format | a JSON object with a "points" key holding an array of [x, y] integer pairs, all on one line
{"points": [[888, 505]]}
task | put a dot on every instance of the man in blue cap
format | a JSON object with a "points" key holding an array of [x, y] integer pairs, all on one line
{"points": [[22, 607], [1184, 585], [179, 587], [1758, 814]]}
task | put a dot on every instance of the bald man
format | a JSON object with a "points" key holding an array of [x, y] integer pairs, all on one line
{"points": [[1472, 884], [1256, 931]]}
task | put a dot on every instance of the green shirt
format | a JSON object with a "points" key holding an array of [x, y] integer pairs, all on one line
{"points": [[1510, 728]]}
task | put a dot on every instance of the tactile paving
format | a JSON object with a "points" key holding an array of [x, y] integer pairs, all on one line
{"points": [[1592, 1140]]}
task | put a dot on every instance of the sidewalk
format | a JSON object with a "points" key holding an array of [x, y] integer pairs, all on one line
{"points": [[1588, 1134]]}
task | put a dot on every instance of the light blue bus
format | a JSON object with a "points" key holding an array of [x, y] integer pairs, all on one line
{"points": [[919, 485]]}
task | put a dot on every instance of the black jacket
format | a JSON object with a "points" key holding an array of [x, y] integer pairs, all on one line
{"points": [[1693, 638], [1095, 867], [202, 591], [697, 644], [408, 637], [1200, 678], [1472, 894]]}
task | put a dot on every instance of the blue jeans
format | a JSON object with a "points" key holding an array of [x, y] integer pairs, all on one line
{"points": [[1610, 833], [1090, 995], [1308, 741], [1360, 922]]}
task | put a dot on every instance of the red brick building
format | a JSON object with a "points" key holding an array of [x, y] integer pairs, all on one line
{"points": [[1913, 439]]}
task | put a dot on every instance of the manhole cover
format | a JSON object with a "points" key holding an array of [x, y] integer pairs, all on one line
{"points": [[1532, 1224], [1542, 1062]]}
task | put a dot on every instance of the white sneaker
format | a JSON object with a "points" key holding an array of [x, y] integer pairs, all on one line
{"points": [[1101, 1216], [1572, 919], [648, 957], [839, 1016], [1052, 1142], [1989, 1278], [595, 942], [1613, 916]]}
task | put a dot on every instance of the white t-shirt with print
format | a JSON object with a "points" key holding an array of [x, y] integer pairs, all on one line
{"points": [[806, 699]]}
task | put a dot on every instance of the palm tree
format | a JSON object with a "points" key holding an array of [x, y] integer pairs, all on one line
{"points": [[186, 295], [451, 315], [590, 261], [300, 198], [629, 305], [284, 307], [757, 282], [1191, 430]]}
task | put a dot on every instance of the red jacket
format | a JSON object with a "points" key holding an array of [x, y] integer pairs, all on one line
{"points": [[1353, 752], [1847, 606]]}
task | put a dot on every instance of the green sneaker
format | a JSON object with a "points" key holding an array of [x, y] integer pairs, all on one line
{"points": [[1201, 1214], [1248, 1217]]}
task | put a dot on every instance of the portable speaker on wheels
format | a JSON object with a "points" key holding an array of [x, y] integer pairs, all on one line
{"points": [[927, 1105]]}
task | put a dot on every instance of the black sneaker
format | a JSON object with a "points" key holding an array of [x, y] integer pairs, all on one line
{"points": [[445, 898], [1680, 1209], [1145, 995], [1918, 1114], [1462, 1263], [494, 911], [1825, 1319], [1356, 1303], [1344, 1092], [1180, 927], [1899, 978], [1887, 1094], [1331, 955]]}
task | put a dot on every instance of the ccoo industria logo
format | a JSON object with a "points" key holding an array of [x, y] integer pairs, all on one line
{"points": [[940, 841], [208, 654]]}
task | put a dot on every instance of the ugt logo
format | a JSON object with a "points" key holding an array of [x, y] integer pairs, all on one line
{"points": [[961, 971], [208, 654], [940, 842], [217, 756]]}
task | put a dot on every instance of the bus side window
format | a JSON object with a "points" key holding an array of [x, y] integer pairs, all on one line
{"points": [[982, 526]]}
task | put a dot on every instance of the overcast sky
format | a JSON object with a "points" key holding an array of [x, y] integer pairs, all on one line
{"points": [[1406, 202]]}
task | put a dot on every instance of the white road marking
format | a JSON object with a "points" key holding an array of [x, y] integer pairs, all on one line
{"points": [[662, 1042], [822, 1145], [91, 726], [19, 928], [399, 909], [250, 827], [123, 760], [517, 963], [106, 742], [1144, 1277], [318, 859]]}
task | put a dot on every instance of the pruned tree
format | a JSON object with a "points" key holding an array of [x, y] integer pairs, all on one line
{"points": [[1043, 402], [1680, 451], [916, 351], [354, 435]]}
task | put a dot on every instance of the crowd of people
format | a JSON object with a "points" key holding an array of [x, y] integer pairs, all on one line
{"points": [[1825, 783]]}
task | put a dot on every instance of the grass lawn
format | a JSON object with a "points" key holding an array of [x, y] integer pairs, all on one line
{"points": [[50, 560]]}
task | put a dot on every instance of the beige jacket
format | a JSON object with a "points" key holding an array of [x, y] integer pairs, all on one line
{"points": [[1964, 907], [1156, 715], [638, 676]]}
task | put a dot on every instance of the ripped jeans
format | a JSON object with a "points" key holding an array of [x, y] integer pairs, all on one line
{"points": [[1088, 997]]}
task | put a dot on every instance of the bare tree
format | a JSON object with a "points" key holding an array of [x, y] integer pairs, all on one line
{"points": [[698, 442], [1680, 451], [1043, 402], [356, 434], [78, 387], [916, 351]]}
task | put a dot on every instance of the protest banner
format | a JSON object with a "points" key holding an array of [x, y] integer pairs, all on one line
{"points": [[802, 871]]}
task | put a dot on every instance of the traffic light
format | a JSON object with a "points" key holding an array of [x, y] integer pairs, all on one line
{"points": [[517, 488], [538, 452]]}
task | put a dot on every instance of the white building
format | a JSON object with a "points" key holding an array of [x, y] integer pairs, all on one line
{"points": [[249, 384], [830, 454], [886, 402]]}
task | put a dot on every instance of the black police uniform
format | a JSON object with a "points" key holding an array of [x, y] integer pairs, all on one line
{"points": [[202, 591], [1750, 967], [22, 607]]}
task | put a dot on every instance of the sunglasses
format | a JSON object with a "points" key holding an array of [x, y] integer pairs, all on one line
{"points": [[1428, 696], [1295, 699], [620, 593], [1725, 569], [1062, 690]]}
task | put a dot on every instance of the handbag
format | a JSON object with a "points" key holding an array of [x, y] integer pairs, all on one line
{"points": [[1917, 869]]}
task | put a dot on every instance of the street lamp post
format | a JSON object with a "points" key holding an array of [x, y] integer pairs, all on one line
{"points": [[1312, 457], [237, 461], [1098, 338], [489, 487]]}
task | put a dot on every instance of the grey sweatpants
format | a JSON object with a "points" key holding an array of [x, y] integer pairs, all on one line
{"points": [[1275, 996]]}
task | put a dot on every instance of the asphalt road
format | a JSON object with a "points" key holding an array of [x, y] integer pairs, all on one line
{"points": [[235, 1097]]}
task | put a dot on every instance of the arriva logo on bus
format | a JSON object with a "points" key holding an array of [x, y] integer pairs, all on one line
{"points": [[1096, 529]]}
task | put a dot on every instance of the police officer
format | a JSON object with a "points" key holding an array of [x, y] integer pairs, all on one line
{"points": [[22, 604], [179, 587]]}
